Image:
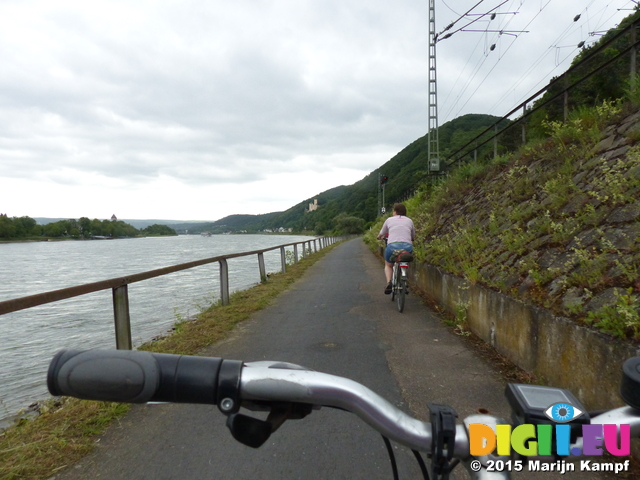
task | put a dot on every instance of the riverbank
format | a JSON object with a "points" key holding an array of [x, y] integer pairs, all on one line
{"points": [[65, 239], [67, 429]]}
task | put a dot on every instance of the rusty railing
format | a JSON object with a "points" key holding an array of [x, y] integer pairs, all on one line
{"points": [[120, 291]]}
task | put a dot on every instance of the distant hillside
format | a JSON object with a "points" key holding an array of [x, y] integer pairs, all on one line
{"points": [[232, 223], [405, 171]]}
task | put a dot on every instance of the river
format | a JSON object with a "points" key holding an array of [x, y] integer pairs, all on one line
{"points": [[31, 337]]}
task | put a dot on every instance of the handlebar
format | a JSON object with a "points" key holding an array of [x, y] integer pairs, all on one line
{"points": [[289, 391], [134, 377]]}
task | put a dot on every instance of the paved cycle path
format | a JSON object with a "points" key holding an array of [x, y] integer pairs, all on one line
{"points": [[336, 319]]}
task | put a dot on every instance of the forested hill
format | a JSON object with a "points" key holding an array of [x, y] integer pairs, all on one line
{"points": [[405, 171]]}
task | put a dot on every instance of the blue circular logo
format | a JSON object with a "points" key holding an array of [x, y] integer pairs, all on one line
{"points": [[562, 412]]}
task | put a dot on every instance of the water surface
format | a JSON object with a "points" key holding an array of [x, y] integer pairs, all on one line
{"points": [[31, 337]]}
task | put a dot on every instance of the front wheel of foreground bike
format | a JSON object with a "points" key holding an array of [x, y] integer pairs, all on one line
{"points": [[402, 291]]}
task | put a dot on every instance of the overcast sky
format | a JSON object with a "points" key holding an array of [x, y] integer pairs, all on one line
{"points": [[197, 110]]}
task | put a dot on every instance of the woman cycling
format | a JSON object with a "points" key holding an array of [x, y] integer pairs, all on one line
{"points": [[400, 234]]}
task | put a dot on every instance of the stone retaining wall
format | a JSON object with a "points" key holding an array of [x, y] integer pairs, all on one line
{"points": [[559, 351]]}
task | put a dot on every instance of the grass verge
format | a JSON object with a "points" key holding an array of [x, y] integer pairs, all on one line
{"points": [[67, 428]]}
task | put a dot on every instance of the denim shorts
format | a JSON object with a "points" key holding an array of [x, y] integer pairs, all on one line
{"points": [[396, 246]]}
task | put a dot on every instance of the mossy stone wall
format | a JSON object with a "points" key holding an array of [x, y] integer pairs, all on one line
{"points": [[556, 349]]}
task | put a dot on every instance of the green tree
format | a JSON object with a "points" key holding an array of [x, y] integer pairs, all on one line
{"points": [[55, 229], [7, 228], [346, 224], [24, 226], [85, 227], [156, 229], [107, 228], [95, 227]]}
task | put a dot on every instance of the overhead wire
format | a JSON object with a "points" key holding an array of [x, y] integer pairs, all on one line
{"points": [[471, 77], [524, 76], [475, 71], [499, 58], [561, 62], [445, 4], [604, 22], [539, 60], [470, 23], [558, 63], [451, 25], [460, 74], [554, 47], [459, 18]]}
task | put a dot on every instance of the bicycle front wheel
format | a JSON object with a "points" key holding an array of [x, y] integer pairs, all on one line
{"points": [[402, 290]]}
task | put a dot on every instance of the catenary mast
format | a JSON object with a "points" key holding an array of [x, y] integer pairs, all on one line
{"points": [[433, 142]]}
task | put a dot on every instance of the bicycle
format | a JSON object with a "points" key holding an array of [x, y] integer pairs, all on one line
{"points": [[291, 392], [399, 288]]}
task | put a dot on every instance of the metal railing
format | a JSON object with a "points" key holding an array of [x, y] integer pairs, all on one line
{"points": [[120, 291]]}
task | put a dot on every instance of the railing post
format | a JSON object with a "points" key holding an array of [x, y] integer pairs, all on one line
{"points": [[315, 246], [224, 281], [283, 259], [263, 270], [122, 318], [295, 252]]}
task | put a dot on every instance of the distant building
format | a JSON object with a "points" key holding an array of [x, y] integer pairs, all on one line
{"points": [[114, 218], [313, 206]]}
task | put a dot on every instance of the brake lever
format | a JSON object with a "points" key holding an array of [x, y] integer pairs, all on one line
{"points": [[254, 432], [443, 425]]}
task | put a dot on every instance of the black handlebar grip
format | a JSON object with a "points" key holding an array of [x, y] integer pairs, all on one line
{"points": [[133, 376]]}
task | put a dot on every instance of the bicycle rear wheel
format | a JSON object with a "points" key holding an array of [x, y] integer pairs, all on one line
{"points": [[402, 290], [394, 282]]}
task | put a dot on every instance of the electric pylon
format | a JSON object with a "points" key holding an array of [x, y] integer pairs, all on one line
{"points": [[432, 136]]}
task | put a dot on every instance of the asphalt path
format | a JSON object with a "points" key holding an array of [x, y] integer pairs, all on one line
{"points": [[337, 320]]}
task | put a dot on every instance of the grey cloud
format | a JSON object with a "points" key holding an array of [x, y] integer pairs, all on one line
{"points": [[220, 92]]}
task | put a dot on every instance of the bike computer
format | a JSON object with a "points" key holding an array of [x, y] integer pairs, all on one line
{"points": [[531, 404]]}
